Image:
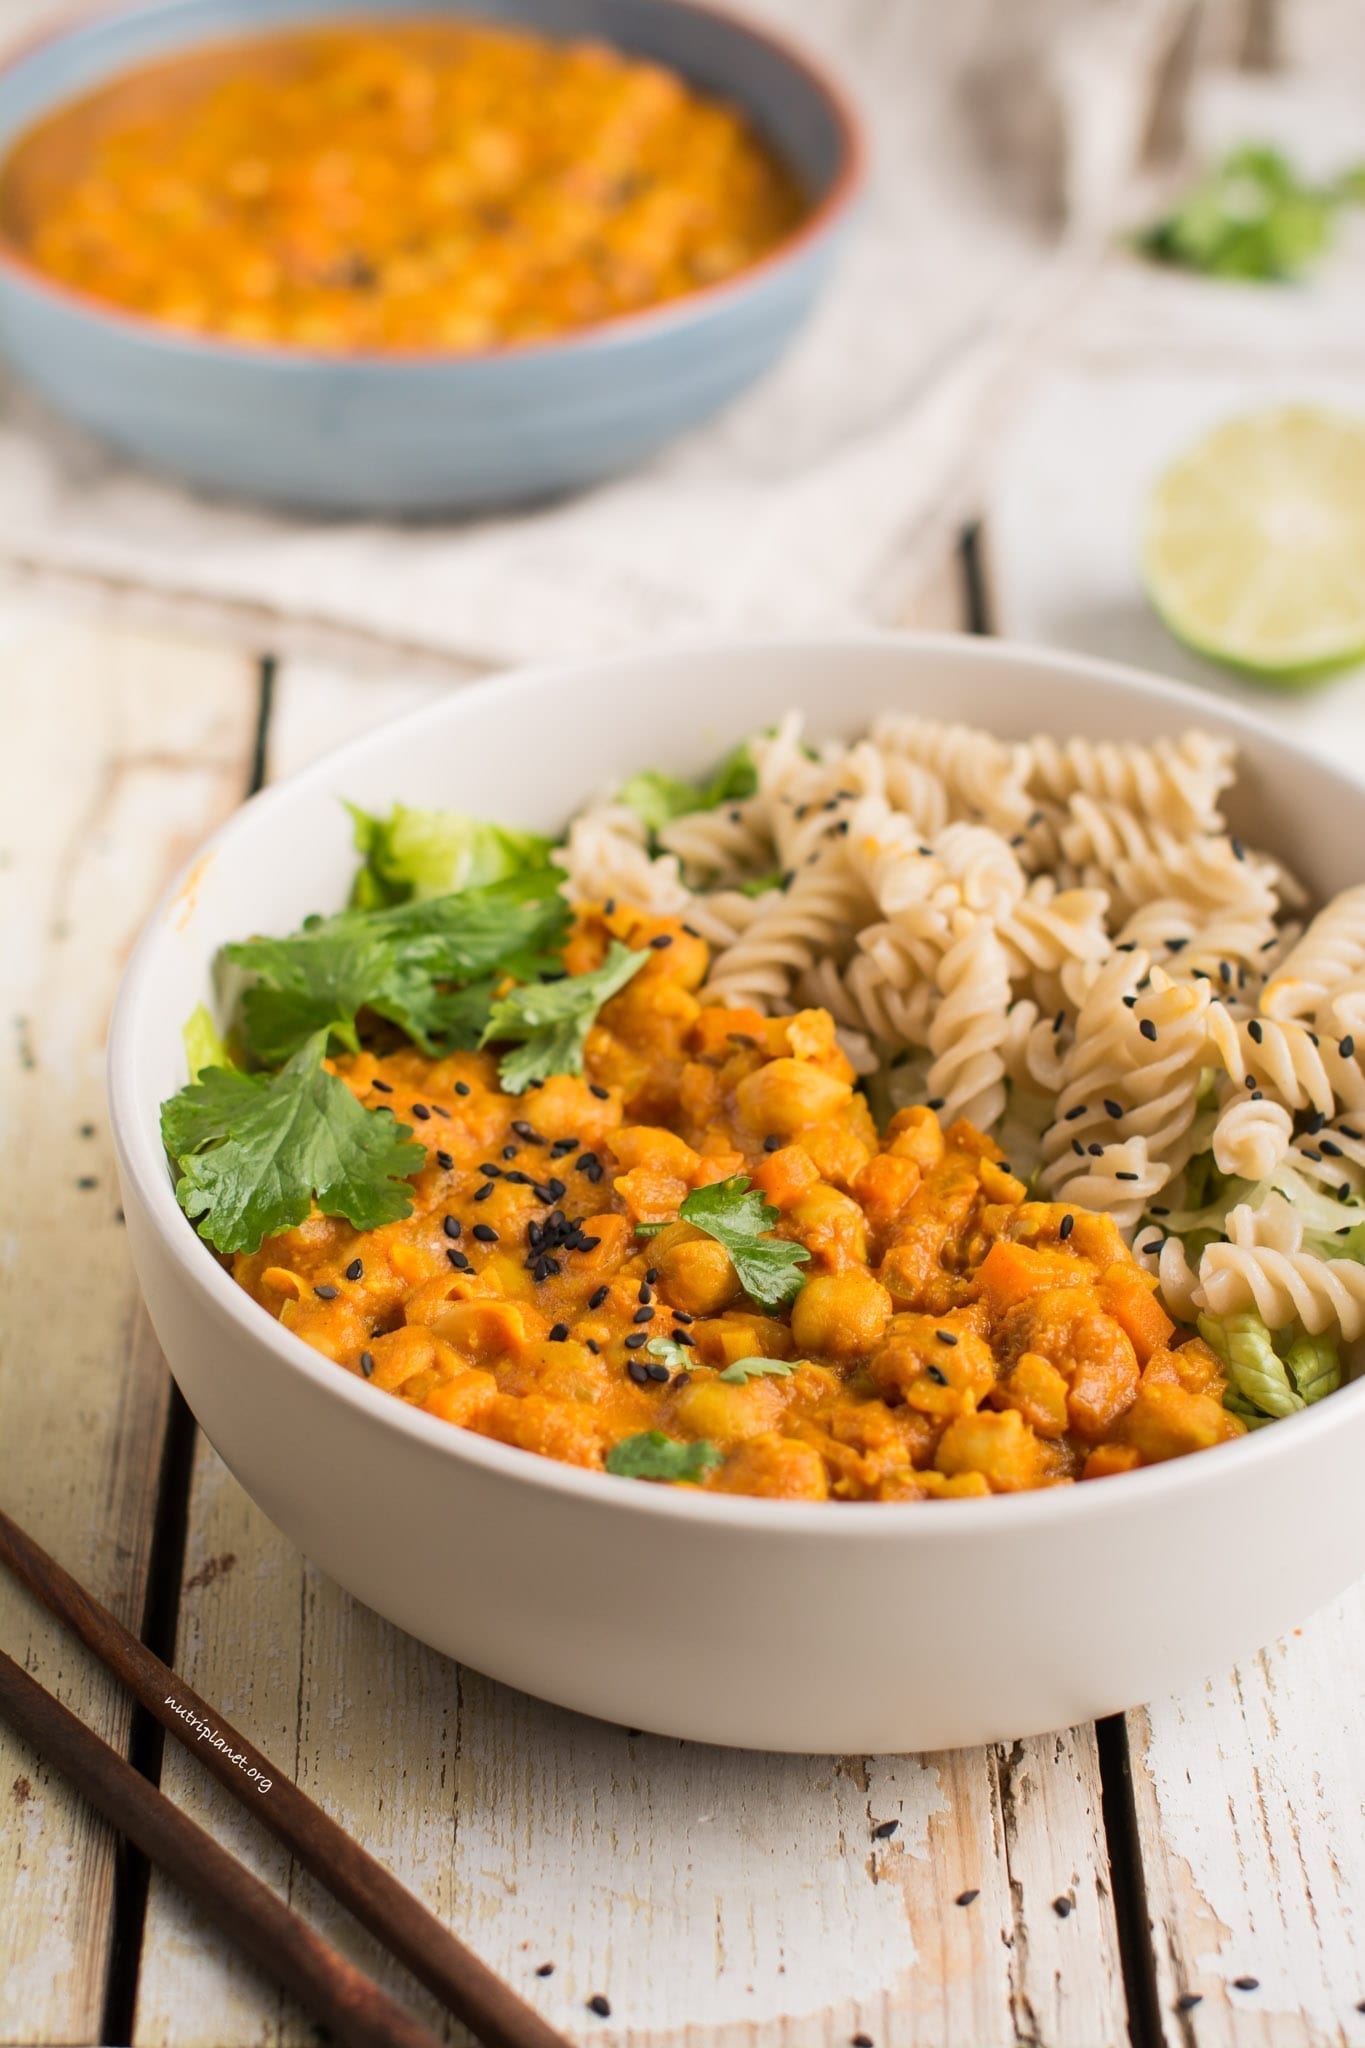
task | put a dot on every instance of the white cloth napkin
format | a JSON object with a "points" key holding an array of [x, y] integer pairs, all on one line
{"points": [[808, 504]]}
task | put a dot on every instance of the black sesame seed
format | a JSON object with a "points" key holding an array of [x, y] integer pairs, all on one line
{"points": [[545, 1969], [646, 1293], [557, 1189], [1332, 1149], [585, 1244], [638, 1372], [458, 1261], [772, 1143], [356, 1270], [526, 1131], [602, 1094], [659, 1373], [489, 1170], [1112, 1108], [326, 1293], [1062, 1907], [609, 907], [559, 1333], [1095, 1151], [1072, 1114], [1311, 1152], [367, 1363], [1349, 1131], [1126, 1176], [860, 2041], [445, 1162], [562, 1147], [936, 1102], [1346, 1047], [600, 2005], [421, 1112], [937, 1375], [1224, 973], [462, 1087], [1128, 946], [1159, 1209], [87, 1181], [1255, 1031], [516, 1178], [651, 1275], [643, 1315], [586, 1161], [436, 1108], [682, 1337], [1130, 1002], [636, 1339], [945, 1337], [1238, 850], [884, 1830], [509, 1151], [485, 1233], [1078, 1148], [482, 1194], [1150, 1250], [1188, 2000], [1147, 1028], [680, 1315], [1246, 1983], [451, 1225], [1065, 1228], [966, 1898], [664, 939], [382, 1086], [593, 1346], [596, 1300]]}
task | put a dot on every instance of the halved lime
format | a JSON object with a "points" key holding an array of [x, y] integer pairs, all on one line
{"points": [[1254, 548]]}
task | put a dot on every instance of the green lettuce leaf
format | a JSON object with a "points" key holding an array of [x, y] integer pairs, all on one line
{"points": [[657, 798], [412, 855], [204, 1045], [1258, 1378]]}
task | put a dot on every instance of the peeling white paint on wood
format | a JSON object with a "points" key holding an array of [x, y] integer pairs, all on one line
{"points": [[118, 757]]}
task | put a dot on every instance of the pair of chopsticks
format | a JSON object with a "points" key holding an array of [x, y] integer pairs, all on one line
{"points": [[348, 2002]]}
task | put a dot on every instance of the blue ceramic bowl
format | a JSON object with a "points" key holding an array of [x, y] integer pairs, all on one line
{"points": [[438, 431]]}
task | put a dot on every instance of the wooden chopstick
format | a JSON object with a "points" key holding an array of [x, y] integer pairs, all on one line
{"points": [[490, 2008], [348, 2002]]}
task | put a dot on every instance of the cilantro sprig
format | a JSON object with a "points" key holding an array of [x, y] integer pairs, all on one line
{"points": [[548, 1022], [429, 967], [255, 1151], [745, 1369], [737, 1216], [652, 1455], [1252, 217]]}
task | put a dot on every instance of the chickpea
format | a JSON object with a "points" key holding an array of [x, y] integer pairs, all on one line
{"points": [[695, 1274], [840, 1315], [786, 1095], [776, 1467], [831, 1226], [726, 1414]]}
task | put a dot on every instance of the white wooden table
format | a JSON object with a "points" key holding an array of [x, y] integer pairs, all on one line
{"points": [[1129, 1880]]}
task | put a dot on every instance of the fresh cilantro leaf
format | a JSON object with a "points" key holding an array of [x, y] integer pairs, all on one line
{"points": [[738, 1216], [652, 1455], [657, 799], [255, 1151], [745, 1369], [1251, 217], [549, 1021], [204, 1045], [412, 855], [427, 966], [671, 1354]]}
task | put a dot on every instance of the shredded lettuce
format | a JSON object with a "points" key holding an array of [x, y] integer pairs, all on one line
{"points": [[412, 855], [1314, 1366], [657, 799], [204, 1044], [1259, 1384]]}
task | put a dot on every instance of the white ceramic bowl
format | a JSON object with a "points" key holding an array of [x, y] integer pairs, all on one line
{"points": [[752, 1622]]}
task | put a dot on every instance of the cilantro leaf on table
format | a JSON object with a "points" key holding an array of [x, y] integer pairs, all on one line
{"points": [[548, 1022], [1251, 217], [737, 1216], [652, 1455], [255, 1151], [428, 966], [413, 854], [745, 1369], [657, 799]]}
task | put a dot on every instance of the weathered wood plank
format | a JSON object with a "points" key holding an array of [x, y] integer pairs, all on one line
{"points": [[1249, 1793], [714, 1897], [120, 752]]}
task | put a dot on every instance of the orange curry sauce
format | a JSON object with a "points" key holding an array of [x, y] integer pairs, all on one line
{"points": [[411, 185], [954, 1338]]}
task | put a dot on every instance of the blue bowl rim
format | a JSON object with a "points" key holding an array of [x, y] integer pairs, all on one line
{"points": [[670, 316]]}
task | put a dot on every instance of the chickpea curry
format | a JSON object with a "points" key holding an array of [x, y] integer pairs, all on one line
{"points": [[433, 185], [924, 1330]]}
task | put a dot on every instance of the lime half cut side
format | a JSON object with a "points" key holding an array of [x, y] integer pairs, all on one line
{"points": [[1254, 548]]}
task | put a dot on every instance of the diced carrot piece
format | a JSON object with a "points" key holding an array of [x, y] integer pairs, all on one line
{"points": [[1129, 1295], [786, 1175], [1106, 1459], [1009, 1273], [716, 1029], [884, 1186]]}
